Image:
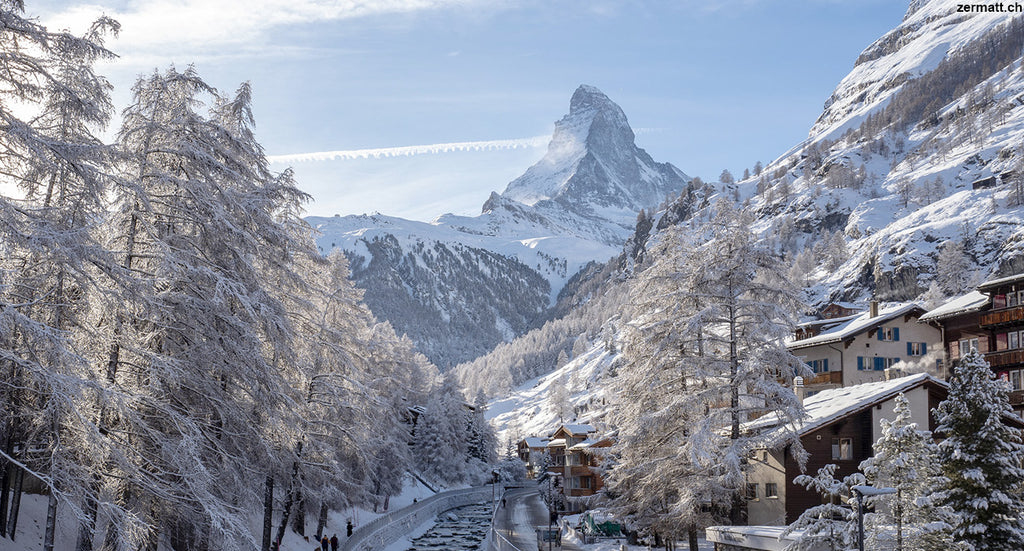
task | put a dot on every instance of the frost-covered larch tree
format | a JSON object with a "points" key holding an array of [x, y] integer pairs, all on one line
{"points": [[196, 349], [981, 457], [706, 353], [905, 459], [48, 253]]}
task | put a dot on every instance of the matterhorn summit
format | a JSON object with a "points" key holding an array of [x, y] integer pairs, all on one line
{"points": [[460, 285], [593, 166]]}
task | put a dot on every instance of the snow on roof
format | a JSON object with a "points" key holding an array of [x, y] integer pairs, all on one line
{"points": [[536, 441], [992, 284], [856, 324], [579, 429], [970, 302], [769, 538], [592, 442], [830, 405], [557, 443]]}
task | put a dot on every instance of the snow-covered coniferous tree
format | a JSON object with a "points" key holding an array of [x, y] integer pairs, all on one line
{"points": [[905, 459], [981, 457]]}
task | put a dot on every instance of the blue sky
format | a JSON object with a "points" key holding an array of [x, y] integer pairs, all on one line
{"points": [[709, 85]]}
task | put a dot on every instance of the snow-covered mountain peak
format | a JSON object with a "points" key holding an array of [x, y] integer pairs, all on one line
{"points": [[593, 167]]}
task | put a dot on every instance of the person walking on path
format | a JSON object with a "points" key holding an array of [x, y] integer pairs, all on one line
{"points": [[348, 529], [325, 543], [334, 542]]}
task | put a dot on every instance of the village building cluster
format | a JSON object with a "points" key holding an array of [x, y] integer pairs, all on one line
{"points": [[862, 360]]}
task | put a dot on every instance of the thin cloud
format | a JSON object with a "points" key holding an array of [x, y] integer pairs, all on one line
{"points": [[412, 150], [195, 27]]}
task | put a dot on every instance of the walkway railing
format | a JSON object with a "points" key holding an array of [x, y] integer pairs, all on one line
{"points": [[385, 529], [496, 541]]}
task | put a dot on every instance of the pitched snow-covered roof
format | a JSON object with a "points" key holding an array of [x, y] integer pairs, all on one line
{"points": [[971, 302], [592, 443], [992, 284], [830, 405], [576, 430], [536, 441], [556, 443], [854, 325]]}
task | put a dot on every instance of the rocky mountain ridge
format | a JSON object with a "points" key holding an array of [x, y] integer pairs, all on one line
{"points": [[460, 285]]}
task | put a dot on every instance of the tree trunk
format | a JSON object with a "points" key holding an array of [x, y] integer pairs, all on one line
{"points": [[16, 486], [51, 521], [268, 512], [87, 527], [691, 531], [299, 525], [321, 522], [5, 491], [292, 492]]}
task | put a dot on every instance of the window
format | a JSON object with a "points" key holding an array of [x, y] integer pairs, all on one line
{"points": [[771, 490], [842, 448], [917, 348], [966, 345], [818, 366], [1014, 340], [1015, 380], [752, 490], [890, 334], [1011, 300]]}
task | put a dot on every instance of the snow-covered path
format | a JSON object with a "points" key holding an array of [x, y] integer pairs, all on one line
{"points": [[516, 519]]}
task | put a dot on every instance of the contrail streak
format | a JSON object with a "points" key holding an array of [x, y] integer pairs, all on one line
{"points": [[410, 150]]}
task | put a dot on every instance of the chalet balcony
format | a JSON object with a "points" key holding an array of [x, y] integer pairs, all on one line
{"points": [[1006, 316], [1005, 358], [1017, 397], [580, 492], [830, 378]]}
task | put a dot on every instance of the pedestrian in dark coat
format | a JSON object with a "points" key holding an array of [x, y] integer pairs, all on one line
{"points": [[334, 542], [348, 529], [325, 544]]}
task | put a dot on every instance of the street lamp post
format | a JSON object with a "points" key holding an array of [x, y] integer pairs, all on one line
{"points": [[862, 491]]}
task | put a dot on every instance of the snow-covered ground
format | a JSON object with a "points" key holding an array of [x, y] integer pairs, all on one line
{"points": [[528, 411], [31, 523]]}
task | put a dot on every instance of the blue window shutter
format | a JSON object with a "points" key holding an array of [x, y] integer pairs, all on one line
{"points": [[910, 350], [824, 365], [896, 334], [879, 364], [924, 348], [860, 363], [881, 333]]}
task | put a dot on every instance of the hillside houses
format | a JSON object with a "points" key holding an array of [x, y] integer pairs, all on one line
{"points": [[860, 347], [840, 426], [991, 321], [571, 455]]}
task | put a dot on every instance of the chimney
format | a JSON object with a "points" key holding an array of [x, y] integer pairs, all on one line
{"points": [[874, 308], [798, 389]]}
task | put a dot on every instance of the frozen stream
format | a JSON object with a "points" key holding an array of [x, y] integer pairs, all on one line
{"points": [[459, 529]]}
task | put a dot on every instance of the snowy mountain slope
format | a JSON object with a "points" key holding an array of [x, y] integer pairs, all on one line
{"points": [[930, 31], [918, 152], [460, 285], [533, 408], [931, 108]]}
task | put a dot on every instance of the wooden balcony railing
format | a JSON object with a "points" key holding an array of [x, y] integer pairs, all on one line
{"points": [[1004, 358], [1001, 317], [1017, 397], [832, 377]]}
